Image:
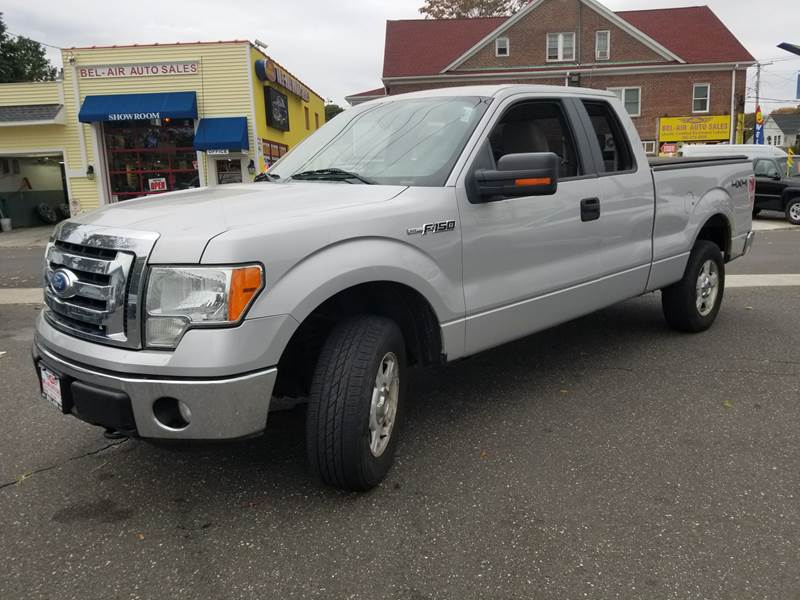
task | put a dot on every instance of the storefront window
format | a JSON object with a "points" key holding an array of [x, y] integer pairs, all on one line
{"points": [[229, 170], [150, 157], [273, 151]]}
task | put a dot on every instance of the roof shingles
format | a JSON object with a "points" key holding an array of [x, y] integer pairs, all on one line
{"points": [[426, 46], [30, 112]]}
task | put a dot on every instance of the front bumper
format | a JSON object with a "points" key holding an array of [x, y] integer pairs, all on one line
{"points": [[221, 407]]}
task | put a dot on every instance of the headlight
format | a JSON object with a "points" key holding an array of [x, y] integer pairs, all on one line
{"points": [[182, 297]]}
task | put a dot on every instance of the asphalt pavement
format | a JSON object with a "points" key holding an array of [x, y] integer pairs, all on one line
{"points": [[609, 457]]}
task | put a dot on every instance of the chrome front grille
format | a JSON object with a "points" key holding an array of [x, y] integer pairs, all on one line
{"points": [[93, 279]]}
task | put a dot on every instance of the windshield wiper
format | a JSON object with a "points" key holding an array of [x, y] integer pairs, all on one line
{"points": [[266, 177], [332, 174]]}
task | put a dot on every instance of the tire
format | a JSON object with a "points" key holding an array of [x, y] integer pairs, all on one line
{"points": [[793, 211], [756, 212], [47, 213], [692, 304], [347, 446]]}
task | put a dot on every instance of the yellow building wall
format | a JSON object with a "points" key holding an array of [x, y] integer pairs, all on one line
{"points": [[297, 121], [221, 85], [39, 92], [226, 85]]}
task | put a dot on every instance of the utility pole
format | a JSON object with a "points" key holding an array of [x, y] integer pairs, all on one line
{"points": [[758, 84]]}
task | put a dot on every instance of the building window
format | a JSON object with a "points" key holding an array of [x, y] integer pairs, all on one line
{"points": [[778, 140], [560, 47], [150, 157], [701, 97], [649, 148], [631, 98], [502, 47], [316, 120], [273, 151], [602, 45], [308, 121]]}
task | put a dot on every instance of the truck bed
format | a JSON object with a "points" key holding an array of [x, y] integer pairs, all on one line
{"points": [[689, 162]]}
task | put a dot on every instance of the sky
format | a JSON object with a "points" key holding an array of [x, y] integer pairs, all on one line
{"points": [[336, 48]]}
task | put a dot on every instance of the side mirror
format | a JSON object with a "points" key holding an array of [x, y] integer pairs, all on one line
{"points": [[528, 174]]}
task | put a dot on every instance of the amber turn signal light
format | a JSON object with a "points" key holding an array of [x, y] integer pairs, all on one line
{"points": [[246, 282], [538, 181]]}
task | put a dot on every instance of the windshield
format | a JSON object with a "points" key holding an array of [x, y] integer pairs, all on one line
{"points": [[405, 142]]}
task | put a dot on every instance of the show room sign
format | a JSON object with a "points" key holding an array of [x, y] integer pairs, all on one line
{"points": [[139, 70]]}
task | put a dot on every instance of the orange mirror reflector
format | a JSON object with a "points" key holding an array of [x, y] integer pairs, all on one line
{"points": [[537, 181]]}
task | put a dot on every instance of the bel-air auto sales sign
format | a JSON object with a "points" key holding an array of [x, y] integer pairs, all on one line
{"points": [[139, 70], [694, 129]]}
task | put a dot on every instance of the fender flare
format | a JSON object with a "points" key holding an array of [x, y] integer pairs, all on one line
{"points": [[340, 266]]}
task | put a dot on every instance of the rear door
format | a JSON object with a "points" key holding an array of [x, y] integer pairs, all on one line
{"points": [[533, 262]]}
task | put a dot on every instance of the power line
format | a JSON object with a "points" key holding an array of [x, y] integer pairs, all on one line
{"points": [[16, 35]]}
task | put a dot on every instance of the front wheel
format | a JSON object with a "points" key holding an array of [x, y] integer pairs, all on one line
{"points": [[355, 400], [793, 211], [692, 304]]}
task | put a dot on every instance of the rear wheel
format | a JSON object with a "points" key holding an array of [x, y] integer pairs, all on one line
{"points": [[356, 397], [692, 304], [793, 211]]}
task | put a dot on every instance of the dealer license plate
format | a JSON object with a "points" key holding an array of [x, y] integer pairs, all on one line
{"points": [[51, 387]]}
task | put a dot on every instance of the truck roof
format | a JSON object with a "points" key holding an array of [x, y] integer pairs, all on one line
{"points": [[504, 90]]}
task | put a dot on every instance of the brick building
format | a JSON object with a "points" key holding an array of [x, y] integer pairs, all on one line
{"points": [[680, 72]]}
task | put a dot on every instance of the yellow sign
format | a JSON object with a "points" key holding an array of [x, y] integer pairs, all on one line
{"points": [[740, 128], [694, 129]]}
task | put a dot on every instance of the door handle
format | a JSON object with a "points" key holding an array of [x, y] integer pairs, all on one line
{"points": [[590, 209]]}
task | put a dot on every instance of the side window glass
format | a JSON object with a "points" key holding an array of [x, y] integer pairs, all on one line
{"points": [[762, 166], [536, 126], [610, 136]]}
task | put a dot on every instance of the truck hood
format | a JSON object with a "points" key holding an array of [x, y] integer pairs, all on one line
{"points": [[187, 220]]}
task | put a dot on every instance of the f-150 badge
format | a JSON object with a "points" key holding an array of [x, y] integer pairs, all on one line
{"points": [[440, 227]]}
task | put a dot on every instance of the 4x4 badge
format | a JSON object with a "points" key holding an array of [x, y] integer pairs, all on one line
{"points": [[440, 227]]}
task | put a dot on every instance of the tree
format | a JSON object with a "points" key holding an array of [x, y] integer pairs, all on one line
{"points": [[22, 59], [452, 9], [331, 110]]}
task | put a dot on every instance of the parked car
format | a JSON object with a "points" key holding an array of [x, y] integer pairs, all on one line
{"points": [[409, 231], [777, 182]]}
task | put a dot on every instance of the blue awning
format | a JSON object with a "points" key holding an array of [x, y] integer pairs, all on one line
{"points": [[223, 133], [139, 107]]}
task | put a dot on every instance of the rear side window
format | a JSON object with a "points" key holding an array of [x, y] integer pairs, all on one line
{"points": [[611, 138]]}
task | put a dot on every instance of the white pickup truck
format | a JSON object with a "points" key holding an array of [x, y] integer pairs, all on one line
{"points": [[411, 230]]}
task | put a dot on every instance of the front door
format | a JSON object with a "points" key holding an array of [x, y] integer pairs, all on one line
{"points": [[769, 184], [533, 262]]}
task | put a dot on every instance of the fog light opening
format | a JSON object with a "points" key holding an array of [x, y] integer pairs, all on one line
{"points": [[172, 413]]}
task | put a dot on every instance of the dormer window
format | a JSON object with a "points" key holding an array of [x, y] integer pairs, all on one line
{"points": [[502, 47]]}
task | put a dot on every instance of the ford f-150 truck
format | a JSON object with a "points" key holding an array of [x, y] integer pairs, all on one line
{"points": [[412, 230]]}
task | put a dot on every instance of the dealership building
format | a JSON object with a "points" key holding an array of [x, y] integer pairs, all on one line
{"points": [[128, 121], [680, 72]]}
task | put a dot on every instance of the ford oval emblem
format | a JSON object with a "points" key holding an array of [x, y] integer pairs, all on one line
{"points": [[63, 283]]}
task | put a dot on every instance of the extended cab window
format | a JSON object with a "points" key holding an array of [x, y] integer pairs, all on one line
{"points": [[766, 168], [536, 126], [611, 138]]}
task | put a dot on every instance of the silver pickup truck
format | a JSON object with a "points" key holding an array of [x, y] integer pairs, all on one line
{"points": [[413, 230]]}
